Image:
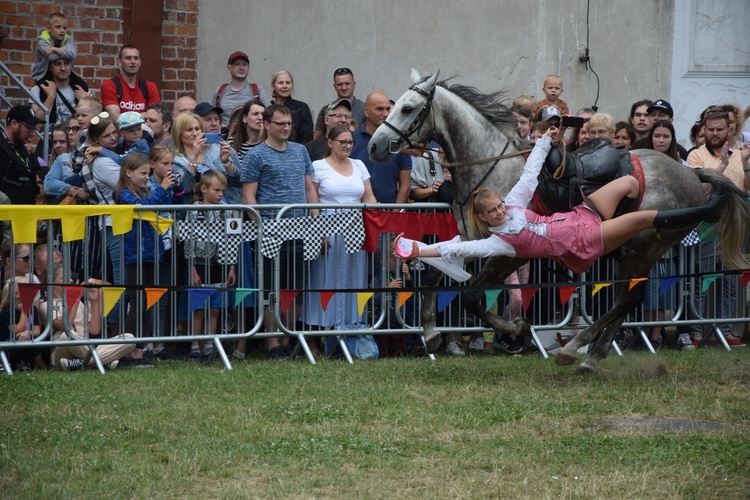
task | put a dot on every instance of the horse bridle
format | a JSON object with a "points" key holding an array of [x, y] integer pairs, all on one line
{"points": [[416, 125]]}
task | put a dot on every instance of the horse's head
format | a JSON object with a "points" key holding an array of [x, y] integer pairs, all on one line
{"points": [[407, 124]]}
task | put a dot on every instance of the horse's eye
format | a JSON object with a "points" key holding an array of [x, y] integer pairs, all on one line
{"points": [[407, 109]]}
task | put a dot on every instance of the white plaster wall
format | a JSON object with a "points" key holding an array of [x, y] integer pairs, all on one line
{"points": [[491, 44], [711, 59]]}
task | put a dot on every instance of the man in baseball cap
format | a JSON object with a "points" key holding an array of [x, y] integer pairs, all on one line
{"points": [[238, 91], [551, 115], [660, 110], [18, 167]]}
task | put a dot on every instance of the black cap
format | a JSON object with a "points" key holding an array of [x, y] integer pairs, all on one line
{"points": [[339, 102], [204, 108], [662, 105], [23, 114]]}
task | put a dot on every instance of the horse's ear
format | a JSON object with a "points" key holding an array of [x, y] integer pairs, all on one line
{"points": [[415, 76], [429, 84]]}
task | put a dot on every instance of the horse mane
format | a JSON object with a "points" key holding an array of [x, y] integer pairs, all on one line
{"points": [[489, 105]]}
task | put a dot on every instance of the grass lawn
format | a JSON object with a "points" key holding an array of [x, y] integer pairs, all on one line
{"points": [[476, 427]]}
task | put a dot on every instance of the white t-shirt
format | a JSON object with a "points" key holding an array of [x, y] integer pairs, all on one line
{"points": [[336, 188]]}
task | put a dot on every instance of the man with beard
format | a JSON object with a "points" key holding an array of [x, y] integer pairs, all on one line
{"points": [[127, 91], [716, 154], [17, 167]]}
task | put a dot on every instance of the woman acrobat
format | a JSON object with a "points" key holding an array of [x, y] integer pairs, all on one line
{"points": [[575, 239]]}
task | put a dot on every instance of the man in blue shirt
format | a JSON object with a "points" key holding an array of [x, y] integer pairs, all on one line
{"points": [[390, 180]]}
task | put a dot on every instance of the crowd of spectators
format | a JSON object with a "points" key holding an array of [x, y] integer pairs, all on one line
{"points": [[121, 144]]}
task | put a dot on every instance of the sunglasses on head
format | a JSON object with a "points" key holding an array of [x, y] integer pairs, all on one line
{"points": [[342, 71], [99, 117]]}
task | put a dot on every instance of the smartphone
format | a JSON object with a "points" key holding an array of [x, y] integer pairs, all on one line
{"points": [[572, 121], [212, 137]]}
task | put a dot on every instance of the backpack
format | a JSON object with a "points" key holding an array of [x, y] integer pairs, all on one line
{"points": [[141, 84], [224, 86]]}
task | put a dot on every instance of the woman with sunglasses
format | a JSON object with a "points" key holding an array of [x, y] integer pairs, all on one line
{"points": [[18, 263], [338, 179]]}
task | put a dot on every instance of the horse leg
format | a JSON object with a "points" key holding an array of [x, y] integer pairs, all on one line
{"points": [[428, 313], [626, 301], [495, 271]]}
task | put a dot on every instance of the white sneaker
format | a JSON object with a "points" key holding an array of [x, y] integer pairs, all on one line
{"points": [[454, 349], [684, 342], [477, 344]]}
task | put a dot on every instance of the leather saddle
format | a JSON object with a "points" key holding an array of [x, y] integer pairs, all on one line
{"points": [[587, 169]]}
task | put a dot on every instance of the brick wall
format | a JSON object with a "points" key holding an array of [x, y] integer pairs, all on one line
{"points": [[97, 27]]}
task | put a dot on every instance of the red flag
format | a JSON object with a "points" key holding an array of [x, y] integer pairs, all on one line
{"points": [[28, 291], [72, 294], [325, 298], [565, 293], [527, 294], [286, 297]]}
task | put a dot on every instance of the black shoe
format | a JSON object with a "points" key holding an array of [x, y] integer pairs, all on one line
{"points": [[507, 344], [165, 355], [149, 357], [195, 357], [277, 353]]}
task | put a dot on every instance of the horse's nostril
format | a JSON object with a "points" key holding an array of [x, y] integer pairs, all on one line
{"points": [[373, 148]]}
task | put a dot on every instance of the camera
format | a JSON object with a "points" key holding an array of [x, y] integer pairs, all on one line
{"points": [[177, 178]]}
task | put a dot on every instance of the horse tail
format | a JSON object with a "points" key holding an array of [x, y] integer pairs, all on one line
{"points": [[733, 227]]}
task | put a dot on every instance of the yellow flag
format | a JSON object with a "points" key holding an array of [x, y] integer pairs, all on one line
{"points": [[403, 297], [111, 295], [362, 298], [598, 287], [635, 281]]}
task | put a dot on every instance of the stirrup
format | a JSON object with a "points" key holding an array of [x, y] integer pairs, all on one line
{"points": [[401, 252]]}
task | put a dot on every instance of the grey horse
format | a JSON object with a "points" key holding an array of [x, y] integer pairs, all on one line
{"points": [[475, 129]]}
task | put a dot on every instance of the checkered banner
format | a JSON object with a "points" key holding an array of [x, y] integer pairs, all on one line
{"points": [[228, 236]]}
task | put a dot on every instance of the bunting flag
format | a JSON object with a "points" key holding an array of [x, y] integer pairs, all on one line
{"points": [[708, 279], [490, 297], [445, 298], [153, 295], [110, 296], [28, 292], [667, 283], [73, 219], [565, 293], [362, 299], [286, 297], [325, 298], [598, 287], [403, 297], [745, 278], [73, 294], [635, 281], [527, 294], [241, 293], [198, 297]]}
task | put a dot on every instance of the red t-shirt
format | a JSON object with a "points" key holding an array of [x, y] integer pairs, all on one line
{"points": [[132, 99]]}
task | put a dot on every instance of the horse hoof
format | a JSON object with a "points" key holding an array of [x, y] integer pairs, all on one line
{"points": [[586, 368], [522, 328], [433, 343], [564, 359]]}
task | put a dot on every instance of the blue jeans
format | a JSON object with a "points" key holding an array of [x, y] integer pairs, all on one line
{"points": [[114, 244]]}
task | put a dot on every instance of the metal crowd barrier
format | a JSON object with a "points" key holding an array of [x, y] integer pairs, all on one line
{"points": [[240, 238]]}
